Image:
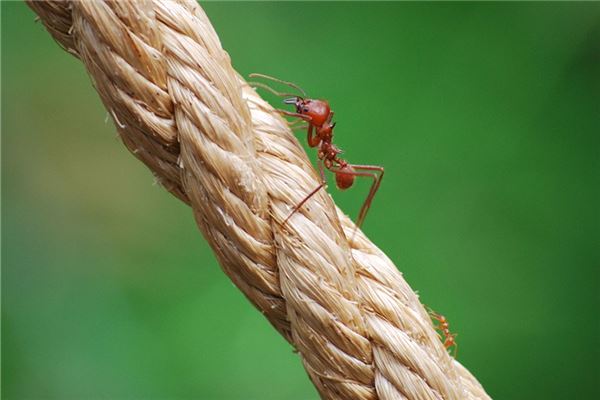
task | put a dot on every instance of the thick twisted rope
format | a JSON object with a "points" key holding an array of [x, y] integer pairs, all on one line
{"points": [[210, 140]]}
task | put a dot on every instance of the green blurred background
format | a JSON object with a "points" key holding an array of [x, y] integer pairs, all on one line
{"points": [[486, 118]]}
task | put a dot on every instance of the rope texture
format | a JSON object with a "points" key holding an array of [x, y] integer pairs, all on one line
{"points": [[211, 141]]}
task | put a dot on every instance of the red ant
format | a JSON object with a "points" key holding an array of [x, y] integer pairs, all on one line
{"points": [[444, 327], [318, 116]]}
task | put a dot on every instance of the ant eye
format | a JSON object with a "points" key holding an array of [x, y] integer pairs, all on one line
{"points": [[305, 109]]}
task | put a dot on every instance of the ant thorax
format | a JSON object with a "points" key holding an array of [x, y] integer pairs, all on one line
{"points": [[328, 151], [325, 133]]}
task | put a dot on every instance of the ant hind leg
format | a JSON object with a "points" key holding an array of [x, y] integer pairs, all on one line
{"points": [[311, 194], [377, 177], [455, 351]]}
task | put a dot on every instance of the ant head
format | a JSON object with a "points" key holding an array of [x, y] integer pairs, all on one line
{"points": [[317, 110], [344, 177]]}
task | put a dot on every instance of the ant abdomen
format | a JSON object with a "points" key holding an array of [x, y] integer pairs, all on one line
{"points": [[344, 178]]}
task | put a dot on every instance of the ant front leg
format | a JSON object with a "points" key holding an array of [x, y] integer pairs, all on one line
{"points": [[295, 115], [302, 117], [296, 122], [313, 141], [298, 125]]}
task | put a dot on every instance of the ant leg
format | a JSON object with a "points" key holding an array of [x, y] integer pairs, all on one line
{"points": [[313, 141], [296, 127], [455, 350], [301, 118], [290, 84], [450, 342], [311, 194], [430, 311], [321, 170], [434, 315], [296, 122], [306, 118], [297, 207], [299, 127], [374, 187]]}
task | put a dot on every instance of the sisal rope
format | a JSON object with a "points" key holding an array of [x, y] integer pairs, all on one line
{"points": [[181, 108]]}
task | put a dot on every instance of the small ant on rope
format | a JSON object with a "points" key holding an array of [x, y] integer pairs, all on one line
{"points": [[318, 117], [444, 327]]}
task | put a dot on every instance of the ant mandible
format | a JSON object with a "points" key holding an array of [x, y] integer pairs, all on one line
{"points": [[444, 327], [318, 117]]}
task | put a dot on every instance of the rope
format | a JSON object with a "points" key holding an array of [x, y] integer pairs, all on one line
{"points": [[211, 141]]}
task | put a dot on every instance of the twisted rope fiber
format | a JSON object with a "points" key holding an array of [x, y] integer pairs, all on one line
{"points": [[181, 108]]}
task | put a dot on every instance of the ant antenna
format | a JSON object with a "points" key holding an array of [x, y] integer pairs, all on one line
{"points": [[290, 84], [270, 89]]}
